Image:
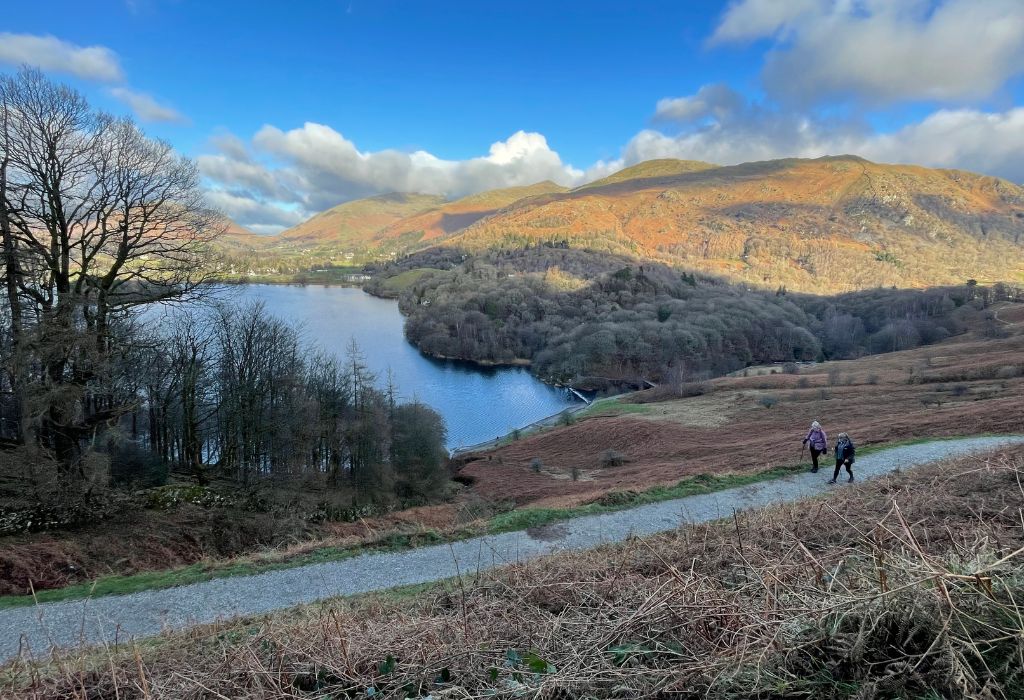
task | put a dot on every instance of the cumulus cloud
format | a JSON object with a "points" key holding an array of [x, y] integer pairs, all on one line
{"points": [[718, 101], [753, 19], [971, 139], [49, 53], [146, 108], [257, 216], [882, 51], [331, 169], [314, 167]]}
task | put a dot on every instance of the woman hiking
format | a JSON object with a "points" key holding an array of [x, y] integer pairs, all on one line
{"points": [[844, 457], [818, 441]]}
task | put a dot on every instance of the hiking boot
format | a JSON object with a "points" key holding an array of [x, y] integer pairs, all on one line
{"points": [[814, 470], [851, 478], [831, 481]]}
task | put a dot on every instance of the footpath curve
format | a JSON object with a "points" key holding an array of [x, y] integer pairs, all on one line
{"points": [[35, 630]]}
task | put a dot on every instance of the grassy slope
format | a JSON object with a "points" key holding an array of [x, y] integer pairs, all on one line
{"points": [[674, 447], [829, 597], [965, 384], [353, 224]]}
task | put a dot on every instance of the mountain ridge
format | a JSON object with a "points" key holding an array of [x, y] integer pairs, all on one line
{"points": [[825, 224]]}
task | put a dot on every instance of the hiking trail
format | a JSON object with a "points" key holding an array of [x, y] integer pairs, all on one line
{"points": [[120, 618]]}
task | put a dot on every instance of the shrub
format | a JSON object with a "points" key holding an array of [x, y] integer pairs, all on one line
{"points": [[768, 401], [1008, 371], [803, 383], [516, 434], [835, 377], [575, 473], [872, 379], [567, 417], [131, 464], [536, 464], [611, 458], [790, 368]]}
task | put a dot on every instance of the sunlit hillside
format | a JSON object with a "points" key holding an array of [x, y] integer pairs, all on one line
{"points": [[828, 224]]}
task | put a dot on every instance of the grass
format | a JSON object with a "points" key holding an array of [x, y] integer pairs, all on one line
{"points": [[774, 602], [510, 521], [332, 276], [207, 571], [402, 281]]}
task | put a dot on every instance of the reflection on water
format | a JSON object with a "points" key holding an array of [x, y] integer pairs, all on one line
{"points": [[478, 404]]}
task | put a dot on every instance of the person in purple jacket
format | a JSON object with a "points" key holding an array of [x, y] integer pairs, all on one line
{"points": [[818, 441]]}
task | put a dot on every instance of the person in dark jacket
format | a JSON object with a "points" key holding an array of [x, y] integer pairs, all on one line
{"points": [[818, 441], [845, 455]]}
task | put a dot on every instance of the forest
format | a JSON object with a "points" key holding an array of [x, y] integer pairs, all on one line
{"points": [[582, 316], [120, 367]]}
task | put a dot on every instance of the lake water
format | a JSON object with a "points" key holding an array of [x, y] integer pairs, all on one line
{"points": [[477, 404]]}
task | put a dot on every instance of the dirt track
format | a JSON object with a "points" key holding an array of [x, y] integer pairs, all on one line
{"points": [[116, 618]]}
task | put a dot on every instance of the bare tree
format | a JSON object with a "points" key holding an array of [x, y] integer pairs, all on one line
{"points": [[97, 219]]}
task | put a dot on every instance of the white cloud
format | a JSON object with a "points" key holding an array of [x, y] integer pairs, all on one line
{"points": [[710, 101], [314, 167], [49, 53], [970, 139], [331, 169], [882, 51], [257, 216], [146, 108], [753, 19]]}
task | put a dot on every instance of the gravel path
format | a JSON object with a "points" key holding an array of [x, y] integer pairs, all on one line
{"points": [[147, 613]]}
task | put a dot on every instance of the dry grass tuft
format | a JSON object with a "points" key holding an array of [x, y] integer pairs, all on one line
{"points": [[908, 586]]}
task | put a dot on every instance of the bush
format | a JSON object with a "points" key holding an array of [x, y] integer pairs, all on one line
{"points": [[803, 383], [611, 458], [536, 464], [790, 368], [1008, 371], [131, 464], [768, 401], [575, 473], [567, 417]]}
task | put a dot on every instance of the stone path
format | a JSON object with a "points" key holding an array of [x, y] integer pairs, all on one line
{"points": [[137, 615]]}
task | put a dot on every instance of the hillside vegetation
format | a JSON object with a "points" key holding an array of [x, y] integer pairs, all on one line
{"points": [[579, 316], [825, 225], [353, 224], [902, 587], [754, 419]]}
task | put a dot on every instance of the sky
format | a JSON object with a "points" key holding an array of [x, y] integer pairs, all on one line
{"points": [[292, 108]]}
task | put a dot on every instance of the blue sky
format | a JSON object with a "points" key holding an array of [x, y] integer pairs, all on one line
{"points": [[291, 108]]}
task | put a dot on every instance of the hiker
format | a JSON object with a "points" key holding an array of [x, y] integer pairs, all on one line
{"points": [[818, 441], [844, 457]]}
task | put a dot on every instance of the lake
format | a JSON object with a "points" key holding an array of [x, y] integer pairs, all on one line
{"points": [[477, 404]]}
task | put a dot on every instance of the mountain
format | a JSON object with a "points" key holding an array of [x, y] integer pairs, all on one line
{"points": [[822, 225], [451, 217], [353, 224], [661, 167]]}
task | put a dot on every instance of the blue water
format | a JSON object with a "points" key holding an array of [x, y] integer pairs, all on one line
{"points": [[477, 404]]}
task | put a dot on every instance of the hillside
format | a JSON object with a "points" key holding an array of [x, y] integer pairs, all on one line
{"points": [[661, 167], [451, 217], [824, 225], [902, 587], [353, 224]]}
